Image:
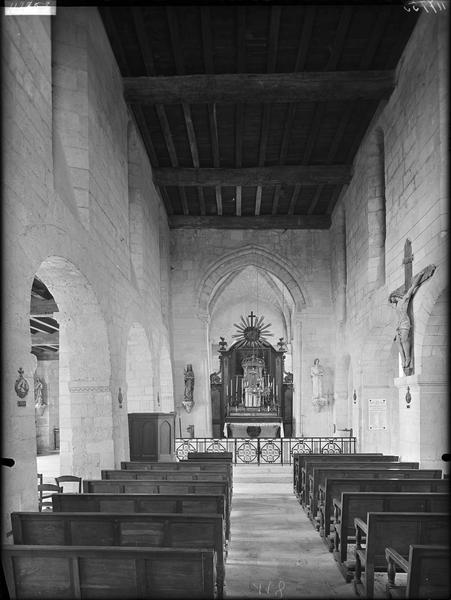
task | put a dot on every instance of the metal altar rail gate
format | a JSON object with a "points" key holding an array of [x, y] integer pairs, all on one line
{"points": [[257, 451]]}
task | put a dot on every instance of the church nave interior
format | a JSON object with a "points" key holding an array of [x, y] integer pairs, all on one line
{"points": [[225, 300]]}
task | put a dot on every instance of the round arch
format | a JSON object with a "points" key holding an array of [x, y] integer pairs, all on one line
{"points": [[85, 407]]}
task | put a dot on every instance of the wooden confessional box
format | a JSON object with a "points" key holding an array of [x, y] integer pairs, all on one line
{"points": [[251, 388], [152, 436]]}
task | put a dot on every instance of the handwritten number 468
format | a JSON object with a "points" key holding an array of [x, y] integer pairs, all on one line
{"points": [[262, 591]]}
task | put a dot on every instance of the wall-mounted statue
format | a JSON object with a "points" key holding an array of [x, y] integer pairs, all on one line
{"points": [[317, 374], [188, 399], [400, 300], [39, 402]]}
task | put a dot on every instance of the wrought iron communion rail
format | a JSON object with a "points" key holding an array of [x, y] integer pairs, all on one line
{"points": [[265, 450]]}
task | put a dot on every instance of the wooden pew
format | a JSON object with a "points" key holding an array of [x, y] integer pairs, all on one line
{"points": [[55, 572], [211, 456], [309, 466], [321, 474], [134, 486], [165, 475], [334, 487], [122, 529], [354, 505], [144, 503], [184, 465], [427, 569], [299, 460], [204, 476], [395, 530]]}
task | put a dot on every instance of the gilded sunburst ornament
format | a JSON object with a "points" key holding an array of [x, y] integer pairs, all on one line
{"points": [[251, 331]]}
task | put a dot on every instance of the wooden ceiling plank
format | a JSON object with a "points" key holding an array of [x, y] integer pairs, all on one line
{"points": [[42, 338], [212, 118], [334, 57], [258, 200], [207, 45], [294, 197], [175, 40], [167, 134], [253, 176], [273, 40], [304, 40], [166, 199], [275, 201], [142, 127], [231, 88], [184, 200], [120, 54], [144, 41], [238, 200], [41, 307], [251, 222], [218, 193], [240, 38], [191, 135], [383, 15], [200, 192]]}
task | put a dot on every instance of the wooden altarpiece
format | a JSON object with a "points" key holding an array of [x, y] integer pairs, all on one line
{"points": [[251, 395]]}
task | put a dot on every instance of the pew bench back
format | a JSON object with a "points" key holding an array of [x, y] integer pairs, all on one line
{"points": [[310, 466], [143, 503], [165, 475], [334, 487], [184, 465], [396, 530], [55, 572], [364, 472], [211, 456], [123, 529], [352, 505], [427, 571], [299, 461]]}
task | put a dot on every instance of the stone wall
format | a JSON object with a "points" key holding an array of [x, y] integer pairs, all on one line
{"points": [[67, 176], [411, 126]]}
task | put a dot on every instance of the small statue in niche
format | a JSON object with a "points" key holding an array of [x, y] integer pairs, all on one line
{"points": [[188, 400], [317, 374], [282, 345], [222, 344]]}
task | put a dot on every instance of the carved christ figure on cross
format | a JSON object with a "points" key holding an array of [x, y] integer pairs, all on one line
{"points": [[400, 299]]}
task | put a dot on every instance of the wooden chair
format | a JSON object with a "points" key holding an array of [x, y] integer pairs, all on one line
{"points": [[69, 479], [40, 479], [46, 491]]}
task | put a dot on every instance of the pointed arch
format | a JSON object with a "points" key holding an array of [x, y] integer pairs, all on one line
{"points": [[251, 256]]}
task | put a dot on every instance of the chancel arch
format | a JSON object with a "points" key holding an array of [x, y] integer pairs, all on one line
{"points": [[139, 372], [85, 407]]}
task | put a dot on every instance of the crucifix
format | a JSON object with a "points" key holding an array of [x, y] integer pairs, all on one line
{"points": [[401, 299], [252, 317]]}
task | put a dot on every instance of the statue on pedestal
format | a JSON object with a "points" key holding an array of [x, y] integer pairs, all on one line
{"points": [[188, 400], [317, 374]]}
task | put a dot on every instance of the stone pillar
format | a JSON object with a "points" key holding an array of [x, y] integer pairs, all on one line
{"points": [[423, 420], [297, 363]]}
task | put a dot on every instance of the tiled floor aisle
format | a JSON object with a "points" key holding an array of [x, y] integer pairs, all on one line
{"points": [[274, 550]]}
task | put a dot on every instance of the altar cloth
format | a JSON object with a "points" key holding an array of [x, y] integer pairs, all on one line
{"points": [[263, 430]]}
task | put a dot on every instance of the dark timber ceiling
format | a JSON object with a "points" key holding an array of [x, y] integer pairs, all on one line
{"points": [[44, 329], [252, 115]]}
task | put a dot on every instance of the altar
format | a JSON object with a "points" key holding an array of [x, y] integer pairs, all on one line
{"points": [[254, 429]]}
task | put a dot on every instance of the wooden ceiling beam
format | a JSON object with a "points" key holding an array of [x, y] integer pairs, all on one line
{"points": [[251, 222], [252, 176], [267, 88], [239, 122], [35, 322], [294, 198]]}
